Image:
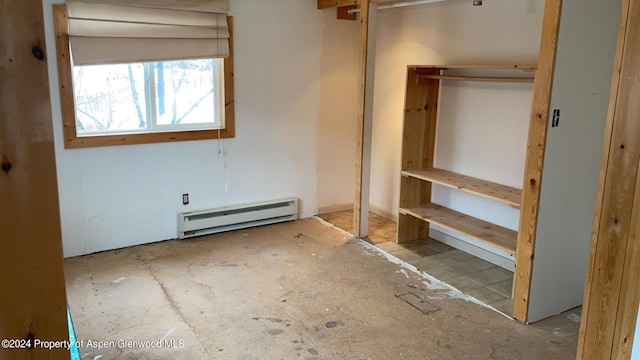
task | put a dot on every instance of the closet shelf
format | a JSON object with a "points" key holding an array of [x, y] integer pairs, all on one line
{"points": [[491, 234], [480, 78], [491, 190], [421, 68]]}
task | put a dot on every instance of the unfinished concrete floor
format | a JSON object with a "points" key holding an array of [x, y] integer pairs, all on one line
{"points": [[302, 289]]}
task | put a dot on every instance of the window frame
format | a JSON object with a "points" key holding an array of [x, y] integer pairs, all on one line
{"points": [[67, 100]]}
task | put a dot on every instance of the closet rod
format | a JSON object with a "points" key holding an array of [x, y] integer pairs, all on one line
{"points": [[399, 4]]}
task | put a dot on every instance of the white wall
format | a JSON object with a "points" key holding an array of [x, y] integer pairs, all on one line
{"points": [[338, 111], [112, 197], [482, 132], [581, 88]]}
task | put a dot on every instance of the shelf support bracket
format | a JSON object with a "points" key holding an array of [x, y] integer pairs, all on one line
{"points": [[343, 13]]}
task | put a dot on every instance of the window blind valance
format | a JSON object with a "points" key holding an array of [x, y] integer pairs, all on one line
{"points": [[121, 31]]}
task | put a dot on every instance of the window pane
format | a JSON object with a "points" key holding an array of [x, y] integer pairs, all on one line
{"points": [[148, 97], [109, 98], [187, 91]]}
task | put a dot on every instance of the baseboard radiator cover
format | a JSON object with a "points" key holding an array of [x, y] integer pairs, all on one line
{"points": [[211, 221]]}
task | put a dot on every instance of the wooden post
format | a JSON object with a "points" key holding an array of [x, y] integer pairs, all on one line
{"points": [[418, 148], [612, 291], [368, 20], [535, 158], [32, 288]]}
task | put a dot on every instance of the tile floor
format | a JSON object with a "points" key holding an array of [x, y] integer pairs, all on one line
{"points": [[473, 276]]}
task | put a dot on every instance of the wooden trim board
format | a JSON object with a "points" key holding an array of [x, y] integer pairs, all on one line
{"points": [[229, 130], [535, 158]]}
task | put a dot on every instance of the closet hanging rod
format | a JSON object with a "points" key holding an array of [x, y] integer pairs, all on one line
{"points": [[399, 4]]}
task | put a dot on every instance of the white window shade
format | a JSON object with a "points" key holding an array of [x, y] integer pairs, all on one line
{"points": [[122, 31]]}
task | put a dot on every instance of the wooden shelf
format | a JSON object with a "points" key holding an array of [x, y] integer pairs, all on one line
{"points": [[488, 67], [505, 194], [480, 78], [474, 228]]}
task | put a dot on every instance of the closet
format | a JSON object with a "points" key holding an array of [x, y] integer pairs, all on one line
{"points": [[419, 173]]}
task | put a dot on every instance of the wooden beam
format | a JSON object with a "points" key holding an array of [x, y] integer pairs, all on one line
{"points": [[368, 19], [343, 13], [32, 283], [325, 4], [535, 158], [612, 291]]}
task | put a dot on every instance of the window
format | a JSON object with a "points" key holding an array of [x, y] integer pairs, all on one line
{"points": [[142, 102], [148, 97]]}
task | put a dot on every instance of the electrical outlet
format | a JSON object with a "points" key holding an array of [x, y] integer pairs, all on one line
{"points": [[555, 120], [185, 199]]}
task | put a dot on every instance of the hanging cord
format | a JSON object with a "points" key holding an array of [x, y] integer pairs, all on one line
{"points": [[228, 184]]}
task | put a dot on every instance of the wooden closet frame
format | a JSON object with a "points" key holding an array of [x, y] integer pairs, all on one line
{"points": [[612, 293], [32, 288], [535, 146]]}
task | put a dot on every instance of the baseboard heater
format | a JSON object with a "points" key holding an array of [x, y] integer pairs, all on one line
{"points": [[204, 222]]}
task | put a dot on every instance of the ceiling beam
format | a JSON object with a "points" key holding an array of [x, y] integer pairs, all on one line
{"points": [[325, 4]]}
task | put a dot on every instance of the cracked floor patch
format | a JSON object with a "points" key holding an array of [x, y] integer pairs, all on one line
{"points": [[418, 303]]}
